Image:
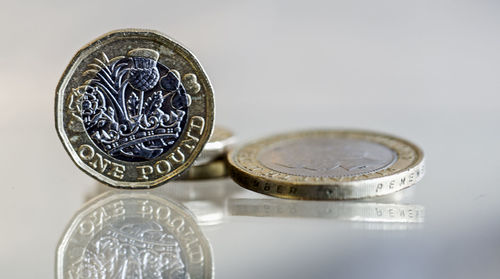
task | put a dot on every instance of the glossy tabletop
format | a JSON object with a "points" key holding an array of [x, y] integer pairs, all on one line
{"points": [[426, 71]]}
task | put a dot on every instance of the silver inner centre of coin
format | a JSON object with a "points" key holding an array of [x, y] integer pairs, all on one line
{"points": [[327, 157]]}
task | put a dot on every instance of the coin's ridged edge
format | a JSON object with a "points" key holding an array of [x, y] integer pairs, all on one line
{"points": [[317, 190]]}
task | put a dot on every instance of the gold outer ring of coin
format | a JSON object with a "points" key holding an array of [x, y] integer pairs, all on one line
{"points": [[144, 49], [249, 172], [220, 143]]}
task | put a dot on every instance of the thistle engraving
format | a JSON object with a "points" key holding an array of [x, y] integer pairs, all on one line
{"points": [[132, 107]]}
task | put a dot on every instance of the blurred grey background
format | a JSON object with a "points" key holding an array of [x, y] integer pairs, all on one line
{"points": [[424, 70]]}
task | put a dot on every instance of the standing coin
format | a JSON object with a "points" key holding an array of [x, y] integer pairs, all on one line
{"points": [[134, 108], [130, 235], [327, 165], [221, 141]]}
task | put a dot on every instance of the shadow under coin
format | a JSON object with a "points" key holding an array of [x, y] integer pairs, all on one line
{"points": [[388, 212], [125, 234]]}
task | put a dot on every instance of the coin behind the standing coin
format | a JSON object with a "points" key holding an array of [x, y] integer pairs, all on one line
{"points": [[221, 141], [132, 235], [134, 108], [327, 165], [212, 170]]}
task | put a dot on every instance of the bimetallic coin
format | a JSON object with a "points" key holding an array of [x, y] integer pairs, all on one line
{"points": [[211, 170], [221, 141], [327, 165], [129, 235], [134, 108]]}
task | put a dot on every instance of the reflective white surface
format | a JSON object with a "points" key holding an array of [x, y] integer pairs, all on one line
{"points": [[427, 71]]}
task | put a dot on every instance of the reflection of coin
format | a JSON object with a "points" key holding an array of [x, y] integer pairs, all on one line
{"points": [[221, 141], [133, 236], [206, 199], [214, 169], [346, 210], [134, 109], [323, 165]]}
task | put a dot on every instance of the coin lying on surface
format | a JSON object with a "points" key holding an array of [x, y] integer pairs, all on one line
{"points": [[221, 141], [327, 165], [134, 108], [132, 235]]}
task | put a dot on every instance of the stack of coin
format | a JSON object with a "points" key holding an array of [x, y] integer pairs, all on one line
{"points": [[211, 163]]}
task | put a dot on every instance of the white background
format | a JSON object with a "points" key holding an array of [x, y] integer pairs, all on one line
{"points": [[428, 71]]}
